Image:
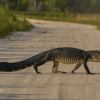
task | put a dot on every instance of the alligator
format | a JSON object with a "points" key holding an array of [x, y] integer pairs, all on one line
{"points": [[95, 57], [66, 55]]}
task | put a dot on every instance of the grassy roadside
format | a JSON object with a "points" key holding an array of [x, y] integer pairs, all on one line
{"points": [[10, 23], [92, 19]]}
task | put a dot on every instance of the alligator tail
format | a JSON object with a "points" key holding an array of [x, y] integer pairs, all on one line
{"points": [[36, 60]]}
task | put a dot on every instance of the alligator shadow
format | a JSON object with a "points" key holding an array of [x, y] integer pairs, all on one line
{"points": [[11, 96], [68, 73]]}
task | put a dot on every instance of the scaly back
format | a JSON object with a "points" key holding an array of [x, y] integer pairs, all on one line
{"points": [[68, 55]]}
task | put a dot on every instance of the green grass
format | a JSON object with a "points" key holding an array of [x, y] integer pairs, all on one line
{"points": [[92, 19], [10, 23], [87, 19]]}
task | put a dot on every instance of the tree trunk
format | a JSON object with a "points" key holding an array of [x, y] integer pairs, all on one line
{"points": [[35, 5]]}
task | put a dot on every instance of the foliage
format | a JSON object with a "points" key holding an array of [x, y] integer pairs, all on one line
{"points": [[10, 23], [17, 4], [75, 6]]}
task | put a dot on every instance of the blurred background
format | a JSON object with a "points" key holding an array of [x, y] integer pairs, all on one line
{"points": [[79, 11]]}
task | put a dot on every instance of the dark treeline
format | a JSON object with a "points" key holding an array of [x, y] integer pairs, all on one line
{"points": [[74, 6]]}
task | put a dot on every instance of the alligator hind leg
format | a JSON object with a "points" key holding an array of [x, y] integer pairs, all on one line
{"points": [[76, 67], [40, 62], [36, 69], [37, 64]]}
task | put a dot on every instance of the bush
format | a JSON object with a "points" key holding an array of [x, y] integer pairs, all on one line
{"points": [[10, 23]]}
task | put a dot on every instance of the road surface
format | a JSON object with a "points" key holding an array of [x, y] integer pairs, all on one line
{"points": [[27, 85]]}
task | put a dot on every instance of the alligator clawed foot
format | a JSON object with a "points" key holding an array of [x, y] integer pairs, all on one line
{"points": [[61, 72], [73, 72], [91, 73], [39, 73]]}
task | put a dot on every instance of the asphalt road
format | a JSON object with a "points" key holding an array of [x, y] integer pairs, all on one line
{"points": [[27, 85]]}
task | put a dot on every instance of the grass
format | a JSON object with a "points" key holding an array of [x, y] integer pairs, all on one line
{"points": [[92, 19], [87, 19], [10, 23]]}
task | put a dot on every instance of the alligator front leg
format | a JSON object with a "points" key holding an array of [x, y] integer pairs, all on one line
{"points": [[76, 67], [85, 65]]}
